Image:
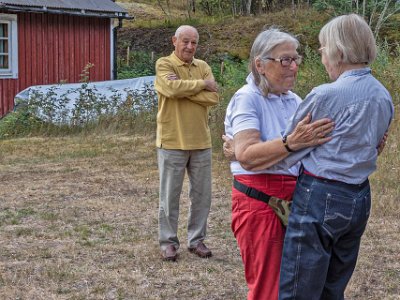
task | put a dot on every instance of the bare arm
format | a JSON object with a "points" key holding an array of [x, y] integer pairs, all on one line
{"points": [[254, 155]]}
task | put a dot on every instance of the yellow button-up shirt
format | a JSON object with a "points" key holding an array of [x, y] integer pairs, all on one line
{"points": [[183, 104]]}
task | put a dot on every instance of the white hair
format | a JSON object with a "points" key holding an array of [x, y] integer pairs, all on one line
{"points": [[183, 28], [348, 39]]}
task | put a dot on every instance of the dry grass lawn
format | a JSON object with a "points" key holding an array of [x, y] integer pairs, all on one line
{"points": [[78, 220]]}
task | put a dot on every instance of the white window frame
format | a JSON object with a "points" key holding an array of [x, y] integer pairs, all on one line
{"points": [[12, 71]]}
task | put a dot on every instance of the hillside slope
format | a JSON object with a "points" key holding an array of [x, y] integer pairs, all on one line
{"points": [[229, 35], [151, 30]]}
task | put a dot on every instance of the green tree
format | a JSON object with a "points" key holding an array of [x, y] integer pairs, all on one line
{"points": [[376, 12]]}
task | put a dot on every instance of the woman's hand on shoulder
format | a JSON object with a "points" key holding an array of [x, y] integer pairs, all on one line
{"points": [[307, 134]]}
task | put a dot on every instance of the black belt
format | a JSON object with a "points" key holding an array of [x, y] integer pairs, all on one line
{"points": [[337, 182], [251, 192]]}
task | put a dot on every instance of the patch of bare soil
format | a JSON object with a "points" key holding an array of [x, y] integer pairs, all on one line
{"points": [[158, 40]]}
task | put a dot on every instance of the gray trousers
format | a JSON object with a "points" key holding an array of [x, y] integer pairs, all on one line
{"points": [[172, 165]]}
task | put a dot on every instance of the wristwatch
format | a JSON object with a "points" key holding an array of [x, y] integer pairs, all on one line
{"points": [[284, 141]]}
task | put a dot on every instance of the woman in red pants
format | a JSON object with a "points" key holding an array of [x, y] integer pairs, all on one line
{"points": [[256, 118]]}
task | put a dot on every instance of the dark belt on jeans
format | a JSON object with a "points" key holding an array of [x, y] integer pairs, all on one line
{"points": [[319, 177], [337, 182], [251, 192]]}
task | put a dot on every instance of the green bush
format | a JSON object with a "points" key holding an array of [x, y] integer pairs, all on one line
{"points": [[311, 73], [139, 64], [386, 68], [230, 73], [19, 123]]}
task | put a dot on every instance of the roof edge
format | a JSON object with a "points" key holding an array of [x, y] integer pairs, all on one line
{"points": [[88, 13]]}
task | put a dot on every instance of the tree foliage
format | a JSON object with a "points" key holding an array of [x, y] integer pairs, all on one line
{"points": [[248, 7], [376, 12]]}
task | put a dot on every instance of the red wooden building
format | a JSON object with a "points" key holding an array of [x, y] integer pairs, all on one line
{"points": [[51, 41]]}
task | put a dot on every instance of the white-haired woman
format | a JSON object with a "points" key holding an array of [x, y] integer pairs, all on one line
{"points": [[332, 199], [256, 119]]}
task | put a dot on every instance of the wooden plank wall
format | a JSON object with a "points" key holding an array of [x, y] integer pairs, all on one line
{"points": [[55, 48]]}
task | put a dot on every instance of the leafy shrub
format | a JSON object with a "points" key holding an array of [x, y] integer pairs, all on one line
{"points": [[52, 107], [386, 68], [19, 123], [230, 74], [311, 73], [139, 64]]}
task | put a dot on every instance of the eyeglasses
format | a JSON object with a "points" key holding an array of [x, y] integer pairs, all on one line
{"points": [[286, 61]]}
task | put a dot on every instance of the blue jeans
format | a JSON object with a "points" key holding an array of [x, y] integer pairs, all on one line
{"points": [[323, 237]]}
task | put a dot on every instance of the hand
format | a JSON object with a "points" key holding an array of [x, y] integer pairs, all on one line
{"points": [[211, 85], [382, 143], [308, 134], [229, 148], [172, 76]]}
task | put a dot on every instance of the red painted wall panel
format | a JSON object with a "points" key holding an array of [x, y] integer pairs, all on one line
{"points": [[54, 48]]}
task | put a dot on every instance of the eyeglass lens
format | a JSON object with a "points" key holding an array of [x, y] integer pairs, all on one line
{"points": [[287, 61]]}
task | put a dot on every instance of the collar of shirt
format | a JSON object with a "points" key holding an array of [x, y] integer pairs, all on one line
{"points": [[254, 88], [179, 62], [355, 72]]}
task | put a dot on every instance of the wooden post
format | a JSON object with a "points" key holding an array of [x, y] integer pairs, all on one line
{"points": [[127, 55]]}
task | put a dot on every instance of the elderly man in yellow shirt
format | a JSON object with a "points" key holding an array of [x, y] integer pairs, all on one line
{"points": [[186, 90]]}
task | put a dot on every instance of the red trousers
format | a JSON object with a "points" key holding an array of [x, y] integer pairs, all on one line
{"points": [[259, 233]]}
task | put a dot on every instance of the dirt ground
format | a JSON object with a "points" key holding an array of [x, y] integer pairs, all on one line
{"points": [[78, 220]]}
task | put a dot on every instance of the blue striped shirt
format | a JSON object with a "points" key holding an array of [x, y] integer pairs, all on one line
{"points": [[362, 110]]}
